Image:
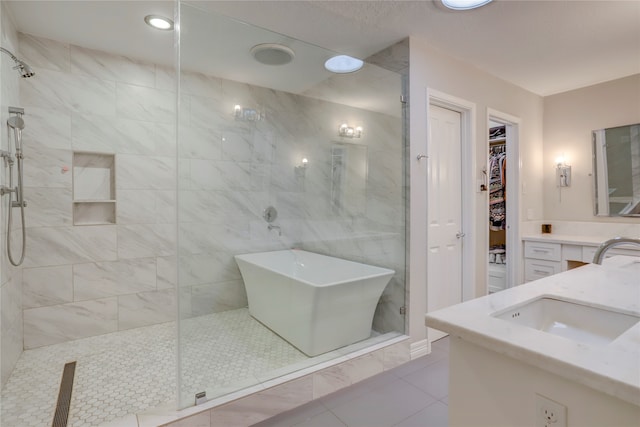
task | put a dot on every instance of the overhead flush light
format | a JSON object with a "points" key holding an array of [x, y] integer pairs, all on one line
{"points": [[159, 22], [464, 4], [343, 64]]}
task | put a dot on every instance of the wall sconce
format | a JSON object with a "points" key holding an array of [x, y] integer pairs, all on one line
{"points": [[247, 114], [302, 167], [349, 132], [563, 173]]}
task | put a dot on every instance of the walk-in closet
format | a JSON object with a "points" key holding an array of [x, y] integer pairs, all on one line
{"points": [[497, 177]]}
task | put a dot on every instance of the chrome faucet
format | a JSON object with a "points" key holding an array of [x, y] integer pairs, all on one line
{"points": [[275, 227], [612, 243]]}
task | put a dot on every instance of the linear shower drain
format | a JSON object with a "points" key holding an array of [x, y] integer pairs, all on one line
{"points": [[61, 416]]}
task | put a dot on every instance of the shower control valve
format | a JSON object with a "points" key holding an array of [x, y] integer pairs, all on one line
{"points": [[6, 190]]}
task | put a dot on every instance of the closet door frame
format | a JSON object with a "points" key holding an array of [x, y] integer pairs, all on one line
{"points": [[514, 209]]}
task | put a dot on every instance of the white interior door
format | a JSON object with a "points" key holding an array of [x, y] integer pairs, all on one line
{"points": [[444, 222]]}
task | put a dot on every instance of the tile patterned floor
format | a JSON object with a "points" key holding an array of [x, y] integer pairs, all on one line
{"points": [[412, 395], [130, 371]]}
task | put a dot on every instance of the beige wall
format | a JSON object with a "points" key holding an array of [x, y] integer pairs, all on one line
{"points": [[569, 118], [435, 70]]}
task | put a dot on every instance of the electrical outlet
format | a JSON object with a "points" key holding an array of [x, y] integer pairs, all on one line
{"points": [[550, 413]]}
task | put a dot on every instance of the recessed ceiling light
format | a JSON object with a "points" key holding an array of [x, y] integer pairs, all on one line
{"points": [[159, 22], [464, 4], [343, 64]]}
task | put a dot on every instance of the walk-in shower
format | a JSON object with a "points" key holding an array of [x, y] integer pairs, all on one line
{"points": [[146, 177]]}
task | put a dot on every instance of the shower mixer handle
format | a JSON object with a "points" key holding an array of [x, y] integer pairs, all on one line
{"points": [[7, 190]]}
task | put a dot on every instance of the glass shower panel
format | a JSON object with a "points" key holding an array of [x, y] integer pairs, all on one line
{"points": [[265, 165]]}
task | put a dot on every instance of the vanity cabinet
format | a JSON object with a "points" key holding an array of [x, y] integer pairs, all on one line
{"points": [[545, 256], [541, 259]]}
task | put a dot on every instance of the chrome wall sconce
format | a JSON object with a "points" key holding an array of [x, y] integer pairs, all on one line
{"points": [[349, 132], [247, 114], [563, 173]]}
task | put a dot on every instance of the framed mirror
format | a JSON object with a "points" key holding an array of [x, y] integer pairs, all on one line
{"points": [[616, 165]]}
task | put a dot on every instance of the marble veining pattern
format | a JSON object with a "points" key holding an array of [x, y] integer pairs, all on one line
{"points": [[105, 279], [46, 286], [47, 128], [45, 53], [50, 246], [107, 66], [54, 324], [80, 94]]}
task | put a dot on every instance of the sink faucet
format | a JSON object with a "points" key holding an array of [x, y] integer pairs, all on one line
{"points": [[612, 243]]}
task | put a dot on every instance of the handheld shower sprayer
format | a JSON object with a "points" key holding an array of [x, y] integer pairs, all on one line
{"points": [[15, 123]]}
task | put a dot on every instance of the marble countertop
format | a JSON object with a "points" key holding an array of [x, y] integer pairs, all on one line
{"points": [[566, 239], [612, 368]]}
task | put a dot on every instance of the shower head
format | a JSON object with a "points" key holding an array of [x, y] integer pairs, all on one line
{"points": [[15, 122], [23, 68]]}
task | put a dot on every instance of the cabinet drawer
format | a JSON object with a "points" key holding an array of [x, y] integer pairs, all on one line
{"points": [[541, 250], [535, 269]]}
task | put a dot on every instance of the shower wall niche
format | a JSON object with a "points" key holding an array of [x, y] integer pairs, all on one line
{"points": [[94, 189]]}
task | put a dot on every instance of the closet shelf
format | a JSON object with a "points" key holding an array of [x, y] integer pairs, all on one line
{"points": [[498, 140]]}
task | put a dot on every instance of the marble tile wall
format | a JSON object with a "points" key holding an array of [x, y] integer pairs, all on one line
{"points": [[87, 280], [114, 277], [10, 277], [225, 185]]}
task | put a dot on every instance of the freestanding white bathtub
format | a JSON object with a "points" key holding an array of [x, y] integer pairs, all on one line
{"points": [[315, 302]]}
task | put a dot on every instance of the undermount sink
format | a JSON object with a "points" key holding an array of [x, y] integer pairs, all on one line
{"points": [[569, 319]]}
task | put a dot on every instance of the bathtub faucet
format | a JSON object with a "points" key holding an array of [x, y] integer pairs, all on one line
{"points": [[276, 227]]}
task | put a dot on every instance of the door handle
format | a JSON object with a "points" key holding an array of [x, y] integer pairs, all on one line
{"points": [[460, 235]]}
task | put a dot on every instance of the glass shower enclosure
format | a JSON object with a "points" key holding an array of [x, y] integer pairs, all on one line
{"points": [[275, 153]]}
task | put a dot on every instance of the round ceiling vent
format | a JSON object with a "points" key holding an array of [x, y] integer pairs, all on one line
{"points": [[272, 54]]}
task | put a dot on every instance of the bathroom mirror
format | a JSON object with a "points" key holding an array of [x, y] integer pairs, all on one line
{"points": [[616, 165], [348, 178]]}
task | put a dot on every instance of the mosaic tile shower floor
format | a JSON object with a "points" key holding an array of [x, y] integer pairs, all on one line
{"points": [[129, 371]]}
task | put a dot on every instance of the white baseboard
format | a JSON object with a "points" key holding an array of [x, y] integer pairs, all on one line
{"points": [[419, 348]]}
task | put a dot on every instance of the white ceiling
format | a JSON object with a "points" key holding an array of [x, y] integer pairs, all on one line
{"points": [[543, 46]]}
